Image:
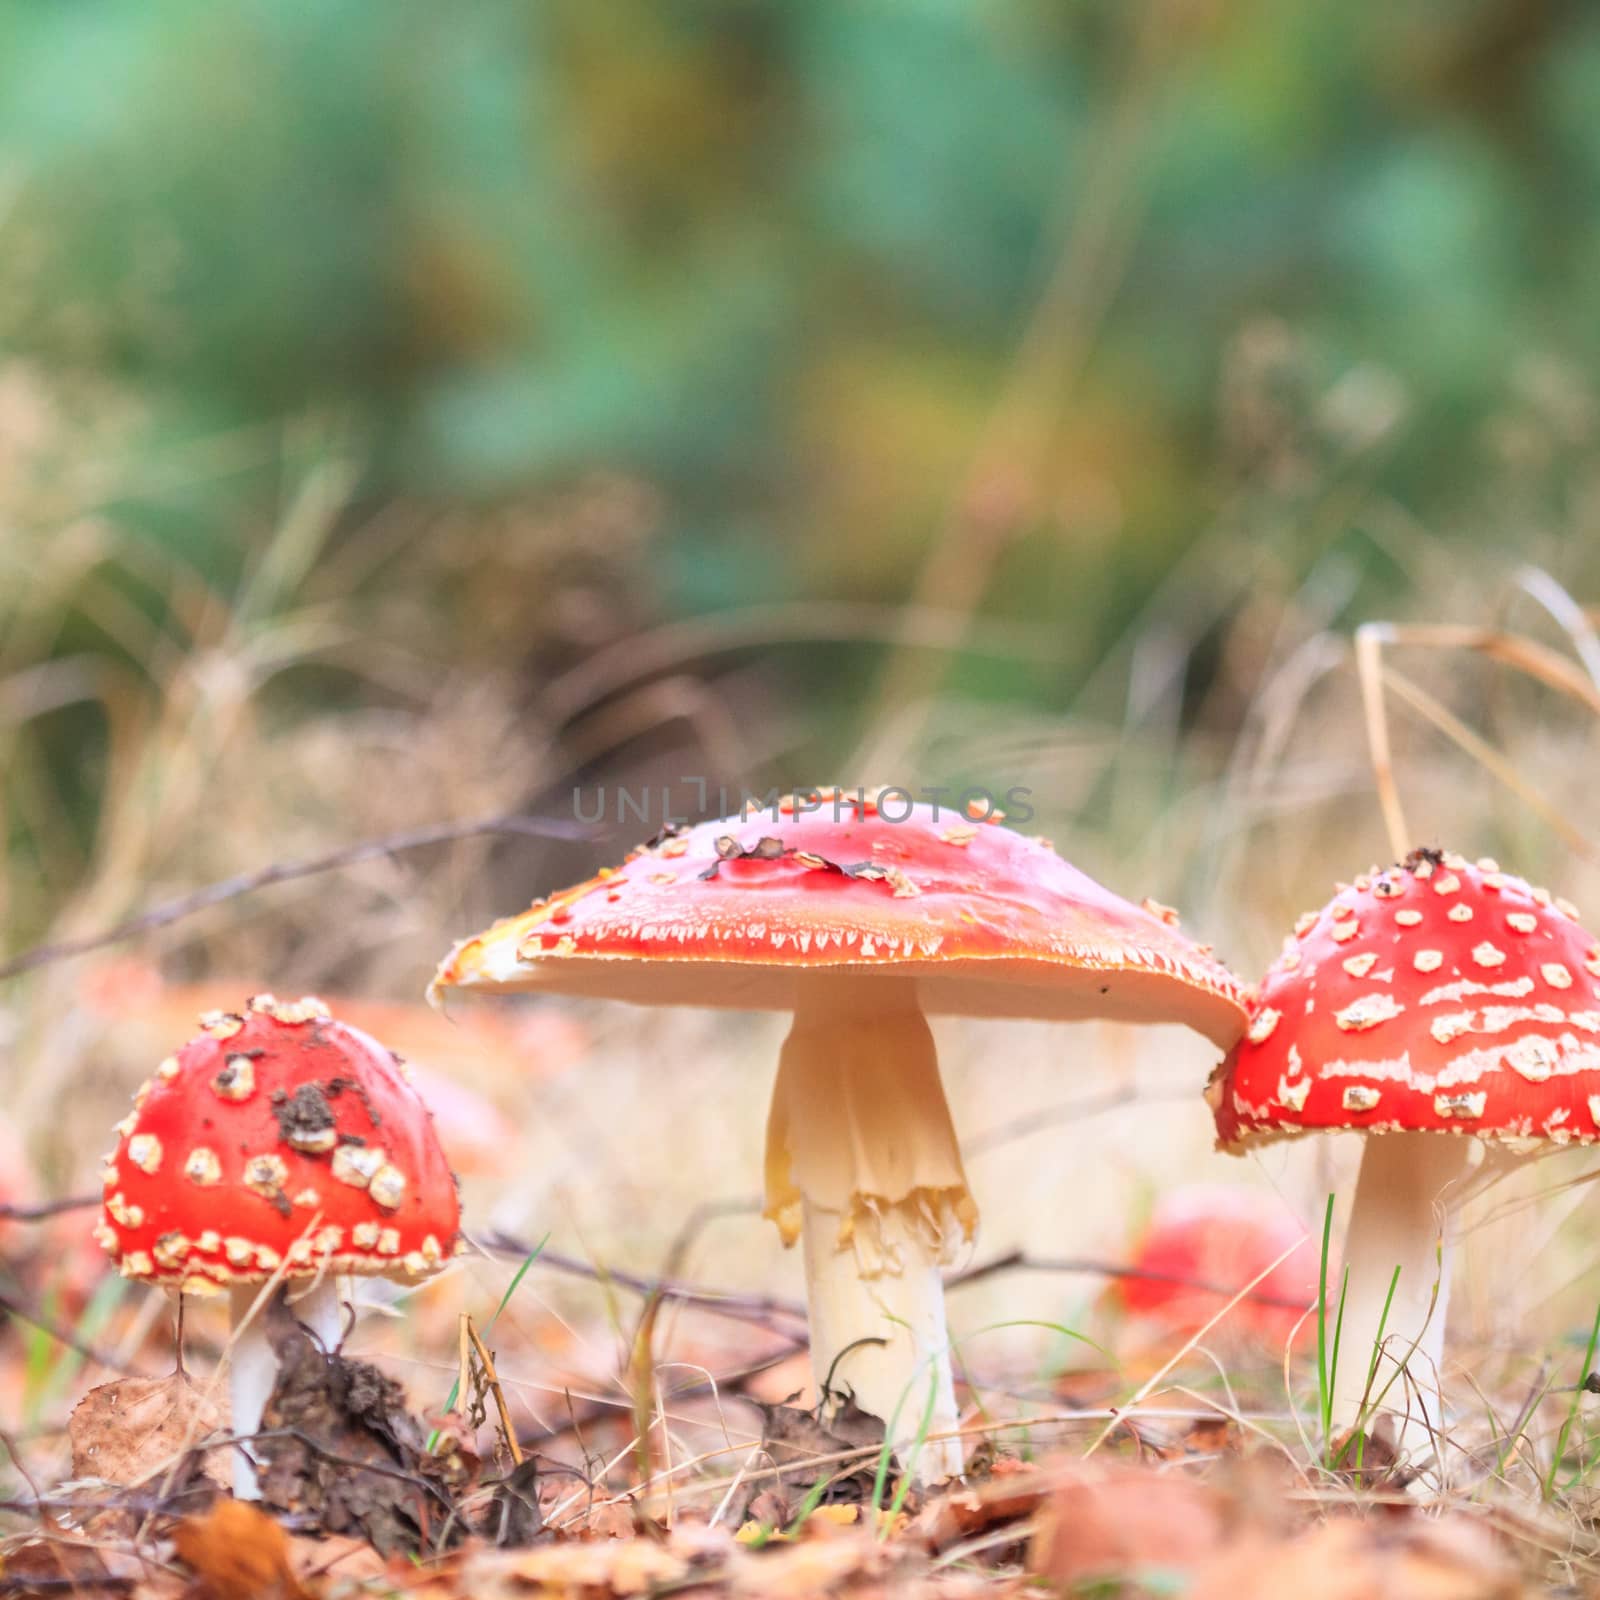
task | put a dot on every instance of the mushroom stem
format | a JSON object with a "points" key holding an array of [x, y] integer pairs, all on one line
{"points": [[252, 1370], [1401, 1218], [253, 1363], [319, 1309], [862, 1161]]}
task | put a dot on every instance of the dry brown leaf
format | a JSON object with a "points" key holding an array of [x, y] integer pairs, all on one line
{"points": [[811, 1567], [1350, 1558], [706, 1561], [132, 1430], [610, 1520], [618, 1567], [238, 1553], [43, 1565], [351, 1560], [805, 1448], [1012, 1492], [1212, 1436], [1114, 1522]]}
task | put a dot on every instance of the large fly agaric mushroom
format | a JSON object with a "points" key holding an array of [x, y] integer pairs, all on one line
{"points": [[277, 1145], [1437, 1004], [860, 915]]}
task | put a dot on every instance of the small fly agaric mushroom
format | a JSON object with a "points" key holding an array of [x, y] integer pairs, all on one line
{"points": [[859, 921], [278, 1144], [1203, 1244], [1435, 998]]}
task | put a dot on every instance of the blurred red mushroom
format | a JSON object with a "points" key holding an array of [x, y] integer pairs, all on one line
{"points": [[1223, 1237]]}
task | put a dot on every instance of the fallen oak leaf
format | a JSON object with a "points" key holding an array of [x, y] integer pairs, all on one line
{"points": [[1212, 1436]]}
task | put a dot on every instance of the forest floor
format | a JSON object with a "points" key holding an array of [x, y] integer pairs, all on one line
{"points": [[1170, 1471]]}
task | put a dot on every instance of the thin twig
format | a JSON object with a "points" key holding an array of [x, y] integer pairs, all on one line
{"points": [[758, 1308], [188, 905], [743, 1307], [50, 1208], [20, 1464], [492, 1378]]}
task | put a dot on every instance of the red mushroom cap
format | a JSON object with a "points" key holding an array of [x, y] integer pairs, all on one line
{"points": [[278, 1138], [1436, 996], [1213, 1234], [735, 913]]}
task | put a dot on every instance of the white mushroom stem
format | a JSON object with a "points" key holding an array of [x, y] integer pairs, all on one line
{"points": [[253, 1364], [1403, 1217], [862, 1161]]}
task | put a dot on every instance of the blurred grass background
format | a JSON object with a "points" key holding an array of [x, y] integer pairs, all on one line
{"points": [[412, 413]]}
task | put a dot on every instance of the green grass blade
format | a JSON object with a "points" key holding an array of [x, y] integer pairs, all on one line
{"points": [[1572, 1410], [1324, 1378], [505, 1300], [917, 1446]]}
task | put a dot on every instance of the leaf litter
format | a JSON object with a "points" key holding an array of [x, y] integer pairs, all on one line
{"points": [[363, 1497], [135, 1429], [338, 1445]]}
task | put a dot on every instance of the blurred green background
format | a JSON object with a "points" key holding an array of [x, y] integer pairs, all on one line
{"points": [[1079, 358]]}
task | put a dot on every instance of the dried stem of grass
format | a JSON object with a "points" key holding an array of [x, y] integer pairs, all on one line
{"points": [[492, 1378]]}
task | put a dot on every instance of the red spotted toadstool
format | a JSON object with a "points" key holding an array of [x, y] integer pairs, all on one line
{"points": [[860, 916], [1435, 1004], [277, 1145]]}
